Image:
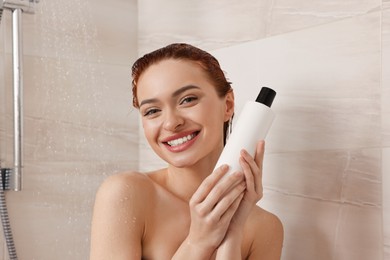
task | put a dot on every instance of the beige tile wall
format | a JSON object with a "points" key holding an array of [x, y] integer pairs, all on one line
{"points": [[327, 150], [79, 124], [215, 24], [326, 59], [386, 201], [323, 154], [386, 125]]}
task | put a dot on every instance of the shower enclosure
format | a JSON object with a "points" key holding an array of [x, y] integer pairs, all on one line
{"points": [[11, 178], [77, 121], [17, 7]]}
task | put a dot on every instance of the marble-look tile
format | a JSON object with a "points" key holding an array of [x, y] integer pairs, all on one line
{"points": [[318, 229], [314, 175], [79, 125], [50, 140], [52, 214], [208, 24], [359, 233], [386, 77], [75, 110], [71, 91], [294, 15], [386, 127], [386, 200], [214, 25], [2, 35], [80, 30], [3, 121], [385, 4], [362, 178], [309, 225], [327, 79]]}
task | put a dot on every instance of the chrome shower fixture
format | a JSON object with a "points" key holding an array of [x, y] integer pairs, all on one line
{"points": [[11, 178], [17, 7], [26, 6]]}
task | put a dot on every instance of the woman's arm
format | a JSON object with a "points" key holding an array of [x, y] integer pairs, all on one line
{"points": [[231, 245], [118, 219], [264, 239], [268, 240], [211, 207]]}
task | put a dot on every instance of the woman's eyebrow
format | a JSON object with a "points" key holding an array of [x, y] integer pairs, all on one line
{"points": [[184, 89], [174, 94], [147, 101]]}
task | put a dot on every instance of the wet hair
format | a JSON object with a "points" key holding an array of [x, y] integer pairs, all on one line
{"points": [[183, 51]]}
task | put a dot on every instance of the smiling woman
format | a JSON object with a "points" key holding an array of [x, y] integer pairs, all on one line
{"points": [[183, 211]]}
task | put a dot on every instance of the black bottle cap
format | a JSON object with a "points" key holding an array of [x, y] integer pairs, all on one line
{"points": [[266, 96]]}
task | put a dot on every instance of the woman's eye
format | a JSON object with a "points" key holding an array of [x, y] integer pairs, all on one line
{"points": [[188, 100], [151, 111]]}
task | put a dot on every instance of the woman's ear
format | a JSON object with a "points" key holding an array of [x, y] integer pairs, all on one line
{"points": [[229, 105]]}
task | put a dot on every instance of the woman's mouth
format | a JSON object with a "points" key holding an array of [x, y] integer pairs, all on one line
{"points": [[182, 140], [182, 143]]}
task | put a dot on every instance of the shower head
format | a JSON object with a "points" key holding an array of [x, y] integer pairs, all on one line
{"points": [[26, 6]]}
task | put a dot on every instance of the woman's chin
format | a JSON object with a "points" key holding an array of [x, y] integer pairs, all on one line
{"points": [[181, 163]]}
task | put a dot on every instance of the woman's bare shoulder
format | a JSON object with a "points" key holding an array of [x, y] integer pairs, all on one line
{"points": [[126, 179], [126, 191], [123, 185], [267, 234], [120, 200], [265, 219]]}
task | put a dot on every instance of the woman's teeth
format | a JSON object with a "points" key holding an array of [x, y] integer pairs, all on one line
{"points": [[181, 140]]}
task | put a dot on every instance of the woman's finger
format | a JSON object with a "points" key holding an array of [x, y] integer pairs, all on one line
{"points": [[225, 207], [247, 169], [208, 184], [259, 159], [221, 190], [259, 155], [252, 167], [229, 213]]}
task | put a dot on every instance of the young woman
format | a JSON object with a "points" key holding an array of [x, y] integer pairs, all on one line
{"points": [[187, 210]]}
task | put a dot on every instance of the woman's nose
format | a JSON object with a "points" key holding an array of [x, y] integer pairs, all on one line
{"points": [[173, 120]]}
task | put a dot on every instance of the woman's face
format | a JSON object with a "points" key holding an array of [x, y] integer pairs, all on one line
{"points": [[182, 115]]}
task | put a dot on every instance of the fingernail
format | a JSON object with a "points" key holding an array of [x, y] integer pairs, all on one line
{"points": [[244, 152], [224, 167]]}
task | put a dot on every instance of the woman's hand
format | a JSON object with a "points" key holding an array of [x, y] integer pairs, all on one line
{"points": [[212, 207], [253, 172], [252, 168]]}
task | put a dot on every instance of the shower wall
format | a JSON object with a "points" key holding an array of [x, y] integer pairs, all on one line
{"points": [[328, 151], [79, 125]]}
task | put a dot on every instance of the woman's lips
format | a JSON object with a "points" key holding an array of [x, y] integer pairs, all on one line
{"points": [[180, 142]]}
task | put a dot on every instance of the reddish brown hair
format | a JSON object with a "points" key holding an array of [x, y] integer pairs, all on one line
{"points": [[183, 51]]}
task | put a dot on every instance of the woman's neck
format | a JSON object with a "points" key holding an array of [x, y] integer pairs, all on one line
{"points": [[183, 182]]}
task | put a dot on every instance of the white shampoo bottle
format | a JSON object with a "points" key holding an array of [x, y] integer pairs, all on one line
{"points": [[252, 126]]}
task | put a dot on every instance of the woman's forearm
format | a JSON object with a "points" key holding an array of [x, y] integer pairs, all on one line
{"points": [[190, 251], [230, 248]]}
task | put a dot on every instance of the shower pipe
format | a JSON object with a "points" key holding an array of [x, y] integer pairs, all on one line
{"points": [[17, 7], [12, 178]]}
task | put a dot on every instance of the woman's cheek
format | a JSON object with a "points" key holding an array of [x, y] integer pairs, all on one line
{"points": [[150, 128]]}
